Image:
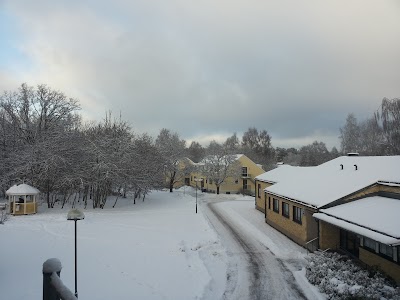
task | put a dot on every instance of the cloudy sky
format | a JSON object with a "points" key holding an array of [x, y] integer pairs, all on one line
{"points": [[209, 68]]}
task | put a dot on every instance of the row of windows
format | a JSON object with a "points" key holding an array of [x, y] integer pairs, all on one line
{"points": [[383, 250], [297, 211], [210, 181]]}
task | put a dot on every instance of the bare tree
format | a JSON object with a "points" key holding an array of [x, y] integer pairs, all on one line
{"points": [[172, 150], [314, 154], [350, 135], [257, 146], [389, 117], [372, 140], [219, 165], [232, 144], [195, 152]]}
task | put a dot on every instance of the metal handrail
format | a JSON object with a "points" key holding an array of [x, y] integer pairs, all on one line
{"points": [[310, 241]]}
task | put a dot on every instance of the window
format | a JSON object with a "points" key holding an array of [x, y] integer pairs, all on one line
{"points": [[276, 205], [370, 244], [191, 178], [269, 202], [386, 250], [236, 181], [245, 186], [210, 181], [244, 171], [285, 209], [265, 205], [259, 190], [297, 212]]}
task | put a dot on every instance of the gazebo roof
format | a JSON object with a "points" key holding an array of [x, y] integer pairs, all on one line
{"points": [[22, 189]]}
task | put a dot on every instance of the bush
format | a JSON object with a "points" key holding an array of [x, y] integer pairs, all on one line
{"points": [[340, 278], [3, 213]]}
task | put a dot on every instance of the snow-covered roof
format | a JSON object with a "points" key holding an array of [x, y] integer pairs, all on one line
{"points": [[211, 157], [323, 184], [373, 217], [282, 172], [22, 189], [187, 159]]}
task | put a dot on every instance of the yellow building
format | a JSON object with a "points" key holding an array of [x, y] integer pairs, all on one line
{"points": [[349, 204], [242, 182], [270, 178], [182, 174]]}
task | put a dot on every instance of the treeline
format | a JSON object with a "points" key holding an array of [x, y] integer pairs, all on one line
{"points": [[377, 135], [257, 146], [43, 142]]}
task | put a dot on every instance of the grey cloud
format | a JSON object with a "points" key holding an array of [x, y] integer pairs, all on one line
{"points": [[295, 68]]}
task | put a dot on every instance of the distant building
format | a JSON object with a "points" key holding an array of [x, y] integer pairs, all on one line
{"points": [[242, 182]]}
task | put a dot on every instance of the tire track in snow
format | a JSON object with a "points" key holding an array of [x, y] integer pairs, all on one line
{"points": [[268, 277]]}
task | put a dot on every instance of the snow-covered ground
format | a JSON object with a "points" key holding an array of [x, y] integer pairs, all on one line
{"points": [[156, 249]]}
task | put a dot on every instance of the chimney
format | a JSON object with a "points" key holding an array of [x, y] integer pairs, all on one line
{"points": [[356, 167], [341, 167]]}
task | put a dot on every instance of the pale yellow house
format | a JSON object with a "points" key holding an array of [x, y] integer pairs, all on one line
{"points": [[182, 177], [242, 182], [350, 204]]}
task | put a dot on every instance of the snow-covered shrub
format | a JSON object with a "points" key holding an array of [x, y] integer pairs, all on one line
{"points": [[340, 278], [3, 213]]}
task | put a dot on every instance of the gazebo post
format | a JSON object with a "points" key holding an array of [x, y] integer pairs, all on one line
{"points": [[25, 205]]}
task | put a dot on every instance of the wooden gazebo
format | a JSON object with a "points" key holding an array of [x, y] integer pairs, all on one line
{"points": [[22, 199]]}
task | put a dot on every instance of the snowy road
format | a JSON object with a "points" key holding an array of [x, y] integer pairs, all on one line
{"points": [[254, 271]]}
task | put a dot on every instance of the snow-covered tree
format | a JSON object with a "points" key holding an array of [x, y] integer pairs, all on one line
{"points": [[172, 150], [219, 165], [350, 135]]}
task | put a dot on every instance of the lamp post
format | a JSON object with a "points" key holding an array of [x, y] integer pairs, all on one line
{"points": [[197, 180], [75, 215]]}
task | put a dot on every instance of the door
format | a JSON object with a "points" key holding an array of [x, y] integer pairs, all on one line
{"points": [[350, 242]]}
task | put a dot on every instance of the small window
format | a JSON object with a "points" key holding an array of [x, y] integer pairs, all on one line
{"points": [[191, 178], [285, 209], [259, 190], [269, 202], [297, 213], [386, 250], [276, 205]]}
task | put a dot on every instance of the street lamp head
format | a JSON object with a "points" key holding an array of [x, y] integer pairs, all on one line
{"points": [[75, 215]]}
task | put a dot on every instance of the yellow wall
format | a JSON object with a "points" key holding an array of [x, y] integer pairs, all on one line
{"points": [[329, 236], [300, 233], [260, 197], [388, 267], [180, 176], [373, 189], [31, 208]]}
